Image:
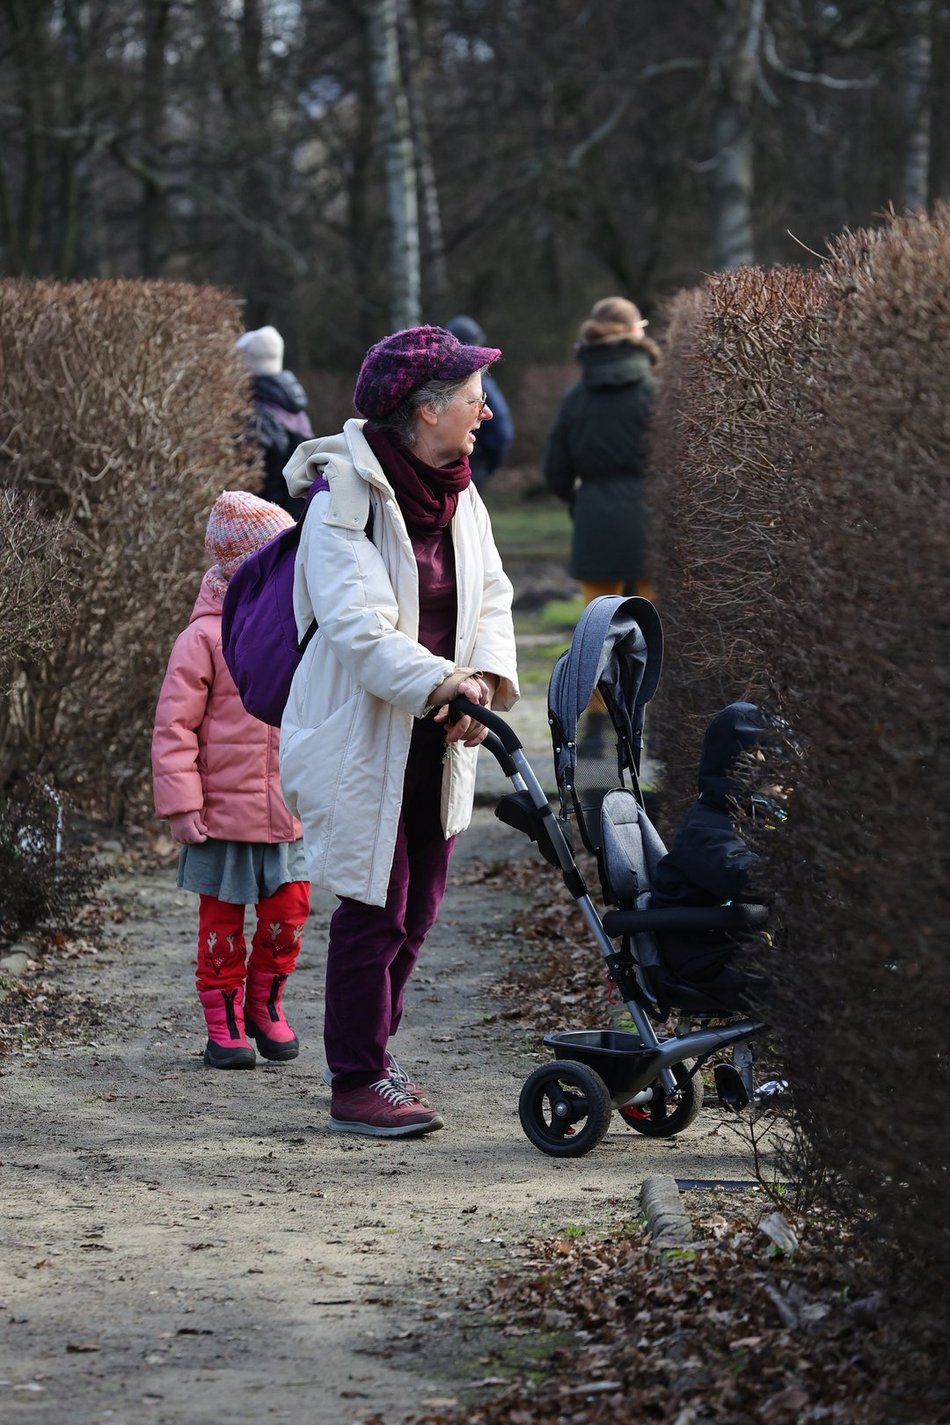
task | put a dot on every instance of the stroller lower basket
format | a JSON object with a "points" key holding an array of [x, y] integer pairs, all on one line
{"points": [[619, 1057]]}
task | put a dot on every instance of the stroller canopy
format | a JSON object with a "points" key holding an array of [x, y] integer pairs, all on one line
{"points": [[617, 648]]}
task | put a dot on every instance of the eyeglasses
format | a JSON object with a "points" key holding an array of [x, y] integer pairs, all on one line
{"points": [[481, 401]]}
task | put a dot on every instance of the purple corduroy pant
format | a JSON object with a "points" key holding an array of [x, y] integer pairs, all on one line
{"points": [[373, 949]]}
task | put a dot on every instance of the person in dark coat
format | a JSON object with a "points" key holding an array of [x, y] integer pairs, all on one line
{"points": [[596, 453], [596, 460], [280, 411], [495, 436], [709, 862]]}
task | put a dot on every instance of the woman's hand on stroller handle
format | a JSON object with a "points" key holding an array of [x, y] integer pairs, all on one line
{"points": [[462, 706], [473, 689]]}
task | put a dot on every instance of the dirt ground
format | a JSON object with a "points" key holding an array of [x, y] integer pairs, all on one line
{"points": [[185, 1246]]}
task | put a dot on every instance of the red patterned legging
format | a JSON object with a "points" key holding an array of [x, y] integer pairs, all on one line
{"points": [[221, 945]]}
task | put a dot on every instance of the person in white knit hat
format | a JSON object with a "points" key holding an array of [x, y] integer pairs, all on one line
{"points": [[215, 777], [280, 411]]}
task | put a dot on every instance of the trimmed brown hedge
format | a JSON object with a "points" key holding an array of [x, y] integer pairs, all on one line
{"points": [[733, 384], [121, 410], [802, 443], [864, 871]]}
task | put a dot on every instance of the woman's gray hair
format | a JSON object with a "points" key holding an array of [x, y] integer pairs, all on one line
{"points": [[400, 424]]}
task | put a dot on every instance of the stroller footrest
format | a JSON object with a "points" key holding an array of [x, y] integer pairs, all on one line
{"points": [[730, 1089], [517, 810]]}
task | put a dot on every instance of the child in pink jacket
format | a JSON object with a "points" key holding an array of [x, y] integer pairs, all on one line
{"points": [[215, 776]]}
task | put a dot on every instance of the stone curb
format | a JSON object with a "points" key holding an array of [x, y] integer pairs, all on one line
{"points": [[662, 1206], [12, 968]]}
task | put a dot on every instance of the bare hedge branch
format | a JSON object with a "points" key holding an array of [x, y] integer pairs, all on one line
{"points": [[37, 577], [739, 352], [121, 410]]}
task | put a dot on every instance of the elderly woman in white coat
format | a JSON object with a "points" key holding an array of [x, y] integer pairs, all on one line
{"points": [[398, 565]]}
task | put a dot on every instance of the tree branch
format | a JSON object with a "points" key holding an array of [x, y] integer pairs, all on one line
{"points": [[216, 201], [580, 150], [805, 76]]}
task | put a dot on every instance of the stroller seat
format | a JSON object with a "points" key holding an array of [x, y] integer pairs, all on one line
{"points": [[630, 849]]}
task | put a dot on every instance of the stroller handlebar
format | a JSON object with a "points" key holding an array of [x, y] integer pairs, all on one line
{"points": [[464, 707]]}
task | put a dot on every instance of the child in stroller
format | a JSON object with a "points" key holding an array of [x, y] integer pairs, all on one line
{"points": [[652, 1082], [710, 863]]}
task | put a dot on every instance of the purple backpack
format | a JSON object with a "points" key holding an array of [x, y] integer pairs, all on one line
{"points": [[258, 628]]}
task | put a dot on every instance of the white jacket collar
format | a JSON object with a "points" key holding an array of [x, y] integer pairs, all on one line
{"points": [[312, 456]]}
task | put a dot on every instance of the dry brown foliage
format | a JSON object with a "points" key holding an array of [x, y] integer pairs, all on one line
{"points": [[864, 867], [38, 575], [802, 441], [738, 358], [614, 1331], [121, 410]]}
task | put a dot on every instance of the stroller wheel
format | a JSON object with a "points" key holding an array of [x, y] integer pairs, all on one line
{"points": [[565, 1109], [667, 1114]]}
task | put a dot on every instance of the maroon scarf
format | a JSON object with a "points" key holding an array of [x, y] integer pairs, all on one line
{"points": [[428, 495]]}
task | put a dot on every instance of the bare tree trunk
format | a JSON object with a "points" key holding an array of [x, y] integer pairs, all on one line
{"points": [[399, 164], [358, 225], [740, 26], [916, 57], [258, 197], [69, 101], [153, 216], [435, 269]]}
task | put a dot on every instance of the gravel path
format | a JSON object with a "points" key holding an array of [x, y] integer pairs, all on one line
{"points": [[186, 1246]]}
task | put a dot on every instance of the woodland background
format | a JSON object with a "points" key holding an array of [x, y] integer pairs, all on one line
{"points": [[350, 166]]}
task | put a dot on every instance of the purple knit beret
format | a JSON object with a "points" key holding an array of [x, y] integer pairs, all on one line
{"points": [[406, 360]]}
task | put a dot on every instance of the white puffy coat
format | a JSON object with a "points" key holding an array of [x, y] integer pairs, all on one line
{"points": [[364, 677]]}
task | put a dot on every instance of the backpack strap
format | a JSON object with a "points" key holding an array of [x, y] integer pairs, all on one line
{"points": [[349, 509]]}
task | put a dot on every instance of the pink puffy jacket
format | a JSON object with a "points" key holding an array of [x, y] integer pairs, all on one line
{"points": [[208, 754]]}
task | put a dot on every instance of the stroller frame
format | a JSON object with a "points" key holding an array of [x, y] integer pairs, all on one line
{"points": [[652, 1082]]}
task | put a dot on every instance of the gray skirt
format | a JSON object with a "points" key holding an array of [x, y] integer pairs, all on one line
{"points": [[240, 872]]}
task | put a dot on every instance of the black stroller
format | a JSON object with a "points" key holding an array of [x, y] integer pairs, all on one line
{"points": [[654, 1083]]}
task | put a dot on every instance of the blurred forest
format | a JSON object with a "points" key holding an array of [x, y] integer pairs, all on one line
{"points": [[349, 166]]}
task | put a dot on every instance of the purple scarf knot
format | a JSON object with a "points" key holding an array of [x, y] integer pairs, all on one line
{"points": [[428, 495]]}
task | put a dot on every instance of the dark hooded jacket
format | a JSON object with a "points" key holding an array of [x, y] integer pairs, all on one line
{"points": [[495, 436], [709, 863], [596, 459], [280, 424]]}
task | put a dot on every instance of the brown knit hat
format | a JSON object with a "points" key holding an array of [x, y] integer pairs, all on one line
{"points": [[612, 319]]}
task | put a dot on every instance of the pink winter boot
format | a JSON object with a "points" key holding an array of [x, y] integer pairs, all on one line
{"points": [[264, 1017], [227, 1047]]}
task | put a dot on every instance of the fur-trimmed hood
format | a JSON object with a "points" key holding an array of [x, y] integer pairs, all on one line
{"points": [[617, 363]]}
